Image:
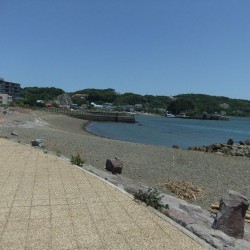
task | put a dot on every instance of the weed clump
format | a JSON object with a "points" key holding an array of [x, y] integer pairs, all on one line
{"points": [[77, 160], [151, 198]]}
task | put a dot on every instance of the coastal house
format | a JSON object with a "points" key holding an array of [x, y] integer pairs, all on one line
{"points": [[108, 107], [96, 106], [224, 105], [128, 108], [63, 101], [79, 96], [39, 101], [49, 104], [138, 107]]}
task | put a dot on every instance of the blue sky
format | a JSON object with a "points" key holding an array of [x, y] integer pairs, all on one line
{"points": [[158, 47]]}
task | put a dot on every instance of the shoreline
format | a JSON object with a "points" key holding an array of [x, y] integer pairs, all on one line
{"points": [[85, 125], [143, 163], [92, 133]]}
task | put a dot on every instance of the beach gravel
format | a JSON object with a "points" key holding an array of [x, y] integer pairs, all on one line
{"points": [[149, 164]]}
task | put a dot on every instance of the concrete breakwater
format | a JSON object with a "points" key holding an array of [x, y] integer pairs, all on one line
{"points": [[205, 117], [105, 116], [92, 115]]}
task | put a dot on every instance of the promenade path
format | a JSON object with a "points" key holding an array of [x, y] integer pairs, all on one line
{"points": [[48, 203]]}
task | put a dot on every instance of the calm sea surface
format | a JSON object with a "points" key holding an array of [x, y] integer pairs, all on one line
{"points": [[159, 130]]}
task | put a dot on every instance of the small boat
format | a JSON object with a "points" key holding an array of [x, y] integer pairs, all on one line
{"points": [[169, 115], [182, 115]]}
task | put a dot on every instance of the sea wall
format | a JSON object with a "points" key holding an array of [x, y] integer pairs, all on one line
{"points": [[93, 116]]}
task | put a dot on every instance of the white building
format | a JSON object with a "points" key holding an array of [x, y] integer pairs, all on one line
{"points": [[5, 99]]}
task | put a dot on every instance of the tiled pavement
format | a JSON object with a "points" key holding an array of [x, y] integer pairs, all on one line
{"points": [[47, 203]]}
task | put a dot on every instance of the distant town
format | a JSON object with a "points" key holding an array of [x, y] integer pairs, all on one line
{"points": [[187, 105]]}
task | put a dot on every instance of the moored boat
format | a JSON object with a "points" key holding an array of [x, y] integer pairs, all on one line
{"points": [[169, 115]]}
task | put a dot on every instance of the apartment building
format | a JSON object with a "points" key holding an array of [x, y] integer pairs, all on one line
{"points": [[10, 88]]}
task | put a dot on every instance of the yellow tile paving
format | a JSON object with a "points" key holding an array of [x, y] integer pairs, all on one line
{"points": [[47, 203]]}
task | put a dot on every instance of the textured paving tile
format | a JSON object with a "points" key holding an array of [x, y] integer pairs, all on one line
{"points": [[46, 203]]}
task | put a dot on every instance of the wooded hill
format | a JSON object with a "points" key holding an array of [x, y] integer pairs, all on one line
{"points": [[212, 104], [191, 103]]}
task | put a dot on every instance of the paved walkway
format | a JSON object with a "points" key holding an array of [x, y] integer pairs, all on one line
{"points": [[47, 203]]}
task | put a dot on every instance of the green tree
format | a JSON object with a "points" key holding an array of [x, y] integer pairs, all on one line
{"points": [[157, 102], [180, 105], [99, 96], [130, 99], [32, 94]]}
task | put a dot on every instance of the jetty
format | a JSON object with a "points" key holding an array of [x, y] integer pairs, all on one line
{"points": [[92, 115], [205, 117]]}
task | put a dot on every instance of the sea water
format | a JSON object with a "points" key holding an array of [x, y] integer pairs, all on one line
{"points": [[158, 130]]}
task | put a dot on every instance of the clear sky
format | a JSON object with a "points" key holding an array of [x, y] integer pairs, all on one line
{"points": [[158, 47]]}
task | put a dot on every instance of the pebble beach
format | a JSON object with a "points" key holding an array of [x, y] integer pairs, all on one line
{"points": [[148, 164]]}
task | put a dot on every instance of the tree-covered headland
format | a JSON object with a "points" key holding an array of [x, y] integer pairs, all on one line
{"points": [[191, 104]]}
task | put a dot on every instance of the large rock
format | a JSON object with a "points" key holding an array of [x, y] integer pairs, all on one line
{"points": [[14, 133], [198, 148], [114, 166], [216, 146], [240, 153], [231, 217], [37, 143], [230, 142]]}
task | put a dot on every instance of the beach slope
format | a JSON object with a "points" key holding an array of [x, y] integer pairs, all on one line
{"points": [[149, 164]]}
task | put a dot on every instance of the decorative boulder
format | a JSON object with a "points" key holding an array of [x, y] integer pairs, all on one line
{"points": [[231, 217], [114, 166], [37, 143]]}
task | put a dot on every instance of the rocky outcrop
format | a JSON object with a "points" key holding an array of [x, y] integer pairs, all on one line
{"points": [[229, 149]]}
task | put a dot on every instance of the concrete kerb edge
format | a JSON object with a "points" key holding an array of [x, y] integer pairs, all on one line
{"points": [[182, 229], [109, 183]]}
